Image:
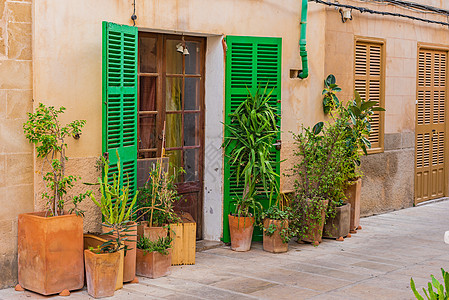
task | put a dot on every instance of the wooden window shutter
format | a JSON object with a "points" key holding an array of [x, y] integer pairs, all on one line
{"points": [[250, 62], [120, 99], [369, 83]]}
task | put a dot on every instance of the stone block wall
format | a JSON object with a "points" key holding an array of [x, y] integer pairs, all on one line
{"points": [[388, 182], [16, 154]]}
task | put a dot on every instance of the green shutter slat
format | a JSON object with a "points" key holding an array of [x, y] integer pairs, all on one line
{"points": [[120, 99], [250, 61]]}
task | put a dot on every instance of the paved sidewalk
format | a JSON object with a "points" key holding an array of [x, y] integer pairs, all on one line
{"points": [[375, 263]]}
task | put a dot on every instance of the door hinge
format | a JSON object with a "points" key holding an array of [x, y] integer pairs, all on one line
{"points": [[278, 144]]}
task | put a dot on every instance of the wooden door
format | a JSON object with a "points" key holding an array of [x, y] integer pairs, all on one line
{"points": [[430, 125], [172, 91]]}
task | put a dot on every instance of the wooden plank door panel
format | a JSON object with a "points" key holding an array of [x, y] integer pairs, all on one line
{"points": [[430, 169]]}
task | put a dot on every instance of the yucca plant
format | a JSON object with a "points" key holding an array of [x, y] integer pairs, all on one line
{"points": [[252, 132], [114, 206], [439, 293]]}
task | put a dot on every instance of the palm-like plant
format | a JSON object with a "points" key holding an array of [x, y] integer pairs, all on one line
{"points": [[253, 129]]}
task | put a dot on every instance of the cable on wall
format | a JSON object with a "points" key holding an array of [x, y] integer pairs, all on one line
{"points": [[134, 16], [384, 13]]}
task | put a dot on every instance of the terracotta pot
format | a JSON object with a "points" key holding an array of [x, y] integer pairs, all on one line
{"points": [[338, 226], [241, 229], [315, 231], [50, 253], [91, 240], [152, 233], [129, 265], [274, 242], [101, 273], [353, 195], [154, 264]]}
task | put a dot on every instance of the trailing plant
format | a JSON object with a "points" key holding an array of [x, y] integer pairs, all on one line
{"points": [[252, 131], [160, 245], [156, 199], [275, 213], [44, 130], [441, 291], [115, 206]]}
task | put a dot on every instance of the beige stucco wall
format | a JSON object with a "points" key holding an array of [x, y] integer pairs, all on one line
{"points": [[389, 176], [16, 155], [67, 57]]}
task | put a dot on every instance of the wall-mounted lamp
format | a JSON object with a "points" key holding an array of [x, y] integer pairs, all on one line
{"points": [[182, 48], [346, 14]]}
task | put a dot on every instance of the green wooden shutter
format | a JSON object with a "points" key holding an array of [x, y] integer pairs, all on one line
{"points": [[120, 99], [250, 61]]}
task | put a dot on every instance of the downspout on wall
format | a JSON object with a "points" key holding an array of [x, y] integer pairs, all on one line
{"points": [[302, 41]]}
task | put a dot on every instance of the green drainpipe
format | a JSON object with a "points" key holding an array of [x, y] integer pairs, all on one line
{"points": [[302, 42]]}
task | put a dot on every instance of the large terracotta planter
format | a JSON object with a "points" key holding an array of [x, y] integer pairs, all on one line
{"points": [[315, 231], [274, 242], [129, 265], [101, 273], [241, 229], [153, 264], [91, 240], [152, 233], [50, 253], [353, 197], [338, 226]]}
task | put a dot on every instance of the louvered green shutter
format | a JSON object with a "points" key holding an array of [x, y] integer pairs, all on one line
{"points": [[250, 61], [120, 99]]}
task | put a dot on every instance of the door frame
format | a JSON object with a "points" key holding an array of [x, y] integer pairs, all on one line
{"points": [[444, 48], [160, 100]]}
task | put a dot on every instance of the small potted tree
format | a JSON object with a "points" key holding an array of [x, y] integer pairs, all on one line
{"points": [[320, 178], [116, 210], [154, 257], [357, 131], [50, 243], [251, 133]]}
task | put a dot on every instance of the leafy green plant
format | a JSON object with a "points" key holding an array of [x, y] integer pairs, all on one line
{"points": [[358, 128], [161, 245], [156, 199], [252, 131], [114, 207], [44, 130], [275, 213], [441, 291], [330, 99]]}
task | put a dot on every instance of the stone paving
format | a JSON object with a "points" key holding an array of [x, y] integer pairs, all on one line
{"points": [[375, 263]]}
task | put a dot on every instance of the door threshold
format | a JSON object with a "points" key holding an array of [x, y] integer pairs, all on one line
{"points": [[203, 245], [432, 201]]}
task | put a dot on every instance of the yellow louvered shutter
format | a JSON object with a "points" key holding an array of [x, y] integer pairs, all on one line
{"points": [[369, 84], [430, 125]]}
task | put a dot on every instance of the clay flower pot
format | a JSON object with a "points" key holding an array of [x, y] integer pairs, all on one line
{"points": [[101, 273], [152, 233], [91, 240], [353, 195], [129, 265], [315, 231], [274, 243], [50, 253], [241, 229], [153, 264], [338, 226]]}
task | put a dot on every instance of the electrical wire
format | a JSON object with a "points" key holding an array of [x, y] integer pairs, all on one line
{"points": [[384, 13]]}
